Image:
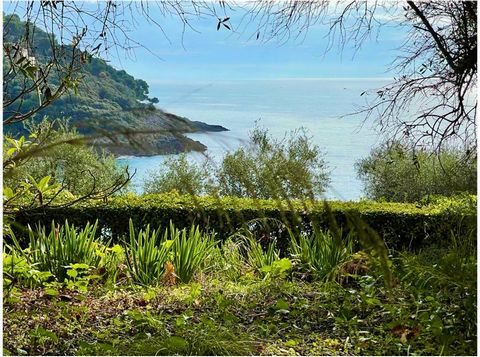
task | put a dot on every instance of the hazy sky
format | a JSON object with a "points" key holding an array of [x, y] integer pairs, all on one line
{"points": [[209, 54], [222, 55]]}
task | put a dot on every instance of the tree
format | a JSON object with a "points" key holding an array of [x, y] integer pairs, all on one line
{"points": [[292, 168], [52, 166], [434, 98], [398, 172]]}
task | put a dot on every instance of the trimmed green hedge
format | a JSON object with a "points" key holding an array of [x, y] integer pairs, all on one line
{"points": [[401, 225]]}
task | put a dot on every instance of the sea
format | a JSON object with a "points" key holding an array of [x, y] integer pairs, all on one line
{"points": [[321, 106]]}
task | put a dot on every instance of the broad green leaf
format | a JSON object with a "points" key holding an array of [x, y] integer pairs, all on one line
{"points": [[7, 193], [72, 272]]}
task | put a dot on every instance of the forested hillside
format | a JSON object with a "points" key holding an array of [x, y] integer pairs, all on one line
{"points": [[105, 99]]}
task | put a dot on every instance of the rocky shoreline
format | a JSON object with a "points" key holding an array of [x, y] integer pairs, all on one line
{"points": [[162, 133]]}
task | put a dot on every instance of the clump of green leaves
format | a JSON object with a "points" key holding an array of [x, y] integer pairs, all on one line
{"points": [[60, 248], [397, 172], [57, 151], [320, 254], [190, 249], [178, 174], [146, 255]]}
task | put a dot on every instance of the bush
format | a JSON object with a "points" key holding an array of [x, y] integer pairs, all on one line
{"points": [[146, 255], [66, 158], [320, 253], [60, 249], [178, 254], [399, 224], [268, 168], [396, 172], [180, 175]]}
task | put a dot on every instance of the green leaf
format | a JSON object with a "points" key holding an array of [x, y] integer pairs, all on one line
{"points": [[11, 151], [43, 183], [283, 265], [51, 292], [117, 249], [7, 193], [80, 266], [72, 273]]}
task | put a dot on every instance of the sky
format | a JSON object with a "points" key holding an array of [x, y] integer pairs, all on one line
{"points": [[205, 54], [224, 55]]}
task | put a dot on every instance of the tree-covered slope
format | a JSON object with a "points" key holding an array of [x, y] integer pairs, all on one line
{"points": [[107, 101]]}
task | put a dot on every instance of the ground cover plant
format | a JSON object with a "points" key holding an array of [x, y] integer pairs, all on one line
{"points": [[237, 298]]}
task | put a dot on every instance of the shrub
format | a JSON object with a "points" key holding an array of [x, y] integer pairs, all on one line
{"points": [[190, 250], [62, 247], [177, 174], [185, 251], [396, 172], [146, 255], [66, 158], [320, 254], [267, 168], [399, 224]]}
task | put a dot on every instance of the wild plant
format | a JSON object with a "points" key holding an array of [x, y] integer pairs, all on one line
{"points": [[230, 258], [190, 250], [63, 246], [146, 254], [320, 253]]}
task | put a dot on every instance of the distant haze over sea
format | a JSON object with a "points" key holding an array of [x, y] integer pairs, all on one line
{"points": [[280, 105]]}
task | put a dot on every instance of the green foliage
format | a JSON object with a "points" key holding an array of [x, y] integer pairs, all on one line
{"points": [[97, 98], [292, 168], [190, 250], [257, 257], [429, 309], [17, 270], [270, 168], [62, 247], [146, 255], [396, 172], [320, 254], [399, 224], [179, 175], [256, 316], [59, 153], [227, 260], [103, 94]]}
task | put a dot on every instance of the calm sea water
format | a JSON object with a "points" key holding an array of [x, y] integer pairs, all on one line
{"points": [[281, 106]]}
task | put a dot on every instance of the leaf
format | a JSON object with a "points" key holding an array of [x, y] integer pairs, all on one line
{"points": [[72, 272], [117, 249], [7, 193], [43, 183], [283, 265], [41, 332], [80, 266], [11, 151], [218, 25], [51, 292], [177, 342], [228, 27]]}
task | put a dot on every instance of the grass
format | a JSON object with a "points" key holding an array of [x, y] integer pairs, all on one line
{"points": [[230, 306]]}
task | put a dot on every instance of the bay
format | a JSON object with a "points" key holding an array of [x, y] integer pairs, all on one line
{"points": [[280, 105]]}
